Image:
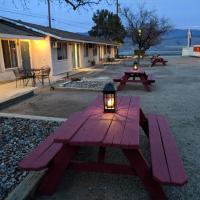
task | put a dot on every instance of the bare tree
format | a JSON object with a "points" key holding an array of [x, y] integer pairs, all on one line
{"points": [[75, 4], [145, 27], [79, 3]]}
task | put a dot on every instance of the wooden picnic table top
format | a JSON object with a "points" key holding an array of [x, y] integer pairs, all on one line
{"points": [[94, 127]]}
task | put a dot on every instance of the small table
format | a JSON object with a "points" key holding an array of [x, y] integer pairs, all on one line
{"points": [[41, 74], [138, 76], [94, 128]]}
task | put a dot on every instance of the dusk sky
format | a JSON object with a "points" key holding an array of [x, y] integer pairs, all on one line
{"points": [[182, 13]]}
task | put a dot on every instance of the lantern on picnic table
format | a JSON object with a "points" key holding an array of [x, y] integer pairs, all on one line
{"points": [[135, 66], [109, 98]]}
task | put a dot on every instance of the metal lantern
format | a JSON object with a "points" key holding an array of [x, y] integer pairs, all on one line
{"points": [[109, 98], [135, 66]]}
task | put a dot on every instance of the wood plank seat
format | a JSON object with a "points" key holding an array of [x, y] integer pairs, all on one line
{"points": [[167, 167], [40, 157], [118, 79]]}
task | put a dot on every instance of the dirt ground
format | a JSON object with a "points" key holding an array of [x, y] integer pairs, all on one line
{"points": [[175, 95]]}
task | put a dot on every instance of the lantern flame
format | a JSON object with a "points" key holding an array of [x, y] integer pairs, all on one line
{"points": [[110, 103]]}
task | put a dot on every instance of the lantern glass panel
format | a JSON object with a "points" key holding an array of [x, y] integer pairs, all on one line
{"points": [[109, 102], [135, 66], [109, 98]]}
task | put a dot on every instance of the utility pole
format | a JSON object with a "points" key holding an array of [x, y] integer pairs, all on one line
{"points": [[117, 7], [189, 38], [49, 12], [117, 12]]}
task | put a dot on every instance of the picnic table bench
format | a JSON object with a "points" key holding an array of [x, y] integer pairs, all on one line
{"points": [[135, 76], [118, 130], [155, 60]]}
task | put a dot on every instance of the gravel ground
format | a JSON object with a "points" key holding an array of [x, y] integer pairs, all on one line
{"points": [[85, 84], [17, 137], [175, 95]]}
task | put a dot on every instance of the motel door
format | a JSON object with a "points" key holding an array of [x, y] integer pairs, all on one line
{"points": [[25, 54]]}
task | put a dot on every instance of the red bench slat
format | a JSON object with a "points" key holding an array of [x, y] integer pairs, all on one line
{"points": [[45, 158], [37, 152], [159, 164], [175, 165], [118, 79], [46, 147], [166, 163]]}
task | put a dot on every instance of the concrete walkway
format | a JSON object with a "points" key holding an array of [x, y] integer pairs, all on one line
{"points": [[9, 91]]}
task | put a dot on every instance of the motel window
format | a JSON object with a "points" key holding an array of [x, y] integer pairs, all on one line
{"points": [[105, 50], [9, 53], [61, 51], [95, 50], [86, 50], [109, 49]]}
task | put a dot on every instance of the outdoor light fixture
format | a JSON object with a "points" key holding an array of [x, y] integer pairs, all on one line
{"points": [[109, 98], [140, 32], [135, 66]]}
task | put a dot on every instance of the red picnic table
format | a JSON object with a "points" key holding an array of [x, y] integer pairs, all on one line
{"points": [[92, 127], [135, 76], [157, 59]]}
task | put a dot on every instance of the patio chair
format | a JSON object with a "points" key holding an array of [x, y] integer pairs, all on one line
{"points": [[19, 76], [24, 75], [44, 73], [30, 75]]}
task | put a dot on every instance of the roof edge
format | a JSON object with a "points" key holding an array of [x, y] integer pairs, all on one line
{"points": [[55, 36]]}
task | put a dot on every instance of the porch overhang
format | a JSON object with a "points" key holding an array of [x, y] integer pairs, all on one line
{"points": [[25, 37], [84, 41]]}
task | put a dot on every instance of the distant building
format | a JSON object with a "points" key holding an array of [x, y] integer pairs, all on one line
{"points": [[191, 51], [30, 45]]}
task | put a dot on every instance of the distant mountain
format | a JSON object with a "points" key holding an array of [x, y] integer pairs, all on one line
{"points": [[85, 33], [172, 43], [178, 33]]}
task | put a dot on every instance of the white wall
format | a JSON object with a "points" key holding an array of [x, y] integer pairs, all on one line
{"points": [[41, 53], [100, 48], [61, 66], [86, 61], [189, 52]]}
